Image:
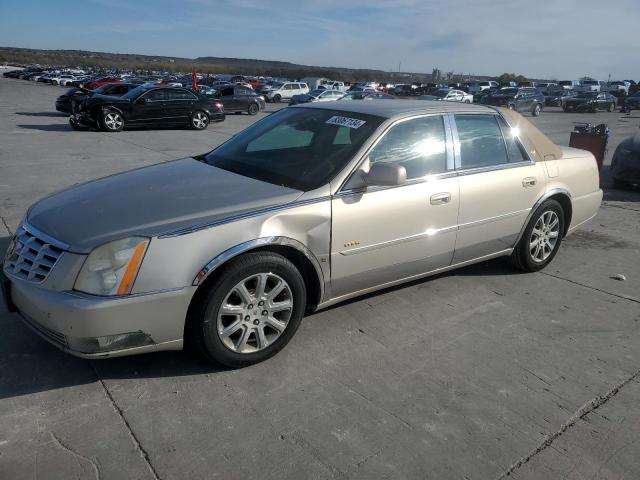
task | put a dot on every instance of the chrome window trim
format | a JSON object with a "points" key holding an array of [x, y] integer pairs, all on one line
{"points": [[501, 166], [386, 129]]}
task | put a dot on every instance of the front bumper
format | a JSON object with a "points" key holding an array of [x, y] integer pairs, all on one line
{"points": [[88, 326]]}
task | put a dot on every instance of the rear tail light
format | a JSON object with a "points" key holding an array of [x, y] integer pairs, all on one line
{"points": [[219, 106]]}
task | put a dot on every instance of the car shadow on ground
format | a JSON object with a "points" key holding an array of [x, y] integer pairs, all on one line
{"points": [[61, 127], [42, 114]]}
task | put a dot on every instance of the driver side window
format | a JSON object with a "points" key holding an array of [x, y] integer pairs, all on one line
{"points": [[417, 144]]}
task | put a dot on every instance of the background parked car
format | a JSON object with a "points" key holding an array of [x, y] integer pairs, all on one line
{"points": [[568, 84], [590, 102], [556, 98], [526, 99], [64, 103], [148, 106], [237, 99], [286, 90], [631, 103], [317, 96], [590, 86], [450, 95], [478, 87], [360, 95], [625, 163], [99, 82]]}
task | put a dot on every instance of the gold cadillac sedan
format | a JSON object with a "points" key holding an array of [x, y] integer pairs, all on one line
{"points": [[310, 206]]}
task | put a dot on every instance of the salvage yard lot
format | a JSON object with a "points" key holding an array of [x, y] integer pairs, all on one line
{"points": [[464, 375]]}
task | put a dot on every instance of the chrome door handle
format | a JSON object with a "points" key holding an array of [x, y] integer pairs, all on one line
{"points": [[528, 182], [440, 198]]}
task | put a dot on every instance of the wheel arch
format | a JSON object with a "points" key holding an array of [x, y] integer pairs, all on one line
{"points": [[563, 197], [292, 249]]}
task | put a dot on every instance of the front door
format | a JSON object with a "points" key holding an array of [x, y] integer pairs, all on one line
{"points": [[383, 234], [498, 186], [149, 108]]}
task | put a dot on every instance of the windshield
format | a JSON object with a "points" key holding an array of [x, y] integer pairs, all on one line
{"points": [[136, 92], [300, 148]]}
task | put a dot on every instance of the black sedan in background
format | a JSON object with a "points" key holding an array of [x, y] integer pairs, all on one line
{"points": [[625, 163], [556, 98], [236, 98], [147, 106], [590, 102], [64, 101], [631, 103], [525, 99]]}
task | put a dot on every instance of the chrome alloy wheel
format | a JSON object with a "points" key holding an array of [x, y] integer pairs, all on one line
{"points": [[199, 120], [544, 236], [255, 313], [113, 121]]}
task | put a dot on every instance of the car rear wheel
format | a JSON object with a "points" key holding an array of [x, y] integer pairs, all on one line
{"points": [[253, 109], [277, 98], [541, 238], [536, 110], [112, 121], [199, 120], [250, 311]]}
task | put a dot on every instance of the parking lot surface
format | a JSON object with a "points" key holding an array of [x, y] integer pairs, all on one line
{"points": [[480, 373]]}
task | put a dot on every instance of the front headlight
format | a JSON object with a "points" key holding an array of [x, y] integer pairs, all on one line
{"points": [[112, 268]]}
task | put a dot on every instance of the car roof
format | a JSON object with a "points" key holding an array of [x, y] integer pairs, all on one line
{"points": [[382, 108]]}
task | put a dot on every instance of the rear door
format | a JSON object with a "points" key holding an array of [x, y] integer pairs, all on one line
{"points": [[499, 184], [384, 234], [179, 105], [228, 99]]}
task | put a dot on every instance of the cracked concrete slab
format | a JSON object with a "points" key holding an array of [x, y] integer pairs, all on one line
{"points": [[458, 376]]}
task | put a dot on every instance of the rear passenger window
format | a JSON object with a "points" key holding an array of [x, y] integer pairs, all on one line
{"points": [[180, 95], [481, 141], [417, 144], [515, 150]]}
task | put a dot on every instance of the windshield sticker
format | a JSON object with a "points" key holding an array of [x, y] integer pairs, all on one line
{"points": [[345, 122]]}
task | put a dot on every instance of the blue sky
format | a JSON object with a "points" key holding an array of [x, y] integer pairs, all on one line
{"points": [[551, 39]]}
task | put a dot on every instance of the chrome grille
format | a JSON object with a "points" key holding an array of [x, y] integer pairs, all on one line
{"points": [[32, 256]]}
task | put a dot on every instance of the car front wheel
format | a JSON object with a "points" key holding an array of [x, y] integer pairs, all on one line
{"points": [[199, 120], [541, 238], [112, 121], [536, 110], [277, 98], [250, 311]]}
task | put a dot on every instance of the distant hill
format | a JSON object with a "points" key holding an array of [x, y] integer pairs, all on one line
{"points": [[202, 64]]}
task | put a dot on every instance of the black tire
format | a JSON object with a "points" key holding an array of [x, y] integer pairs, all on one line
{"points": [[204, 330], [566, 109], [253, 109], [522, 257], [277, 98], [535, 111], [199, 120], [111, 121]]}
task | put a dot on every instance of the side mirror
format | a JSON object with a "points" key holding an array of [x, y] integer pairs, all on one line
{"points": [[386, 174]]}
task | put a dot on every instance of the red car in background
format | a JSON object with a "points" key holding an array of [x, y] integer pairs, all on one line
{"points": [[93, 84]]}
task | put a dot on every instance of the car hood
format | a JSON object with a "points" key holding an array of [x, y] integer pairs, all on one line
{"points": [[150, 201], [632, 143]]}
